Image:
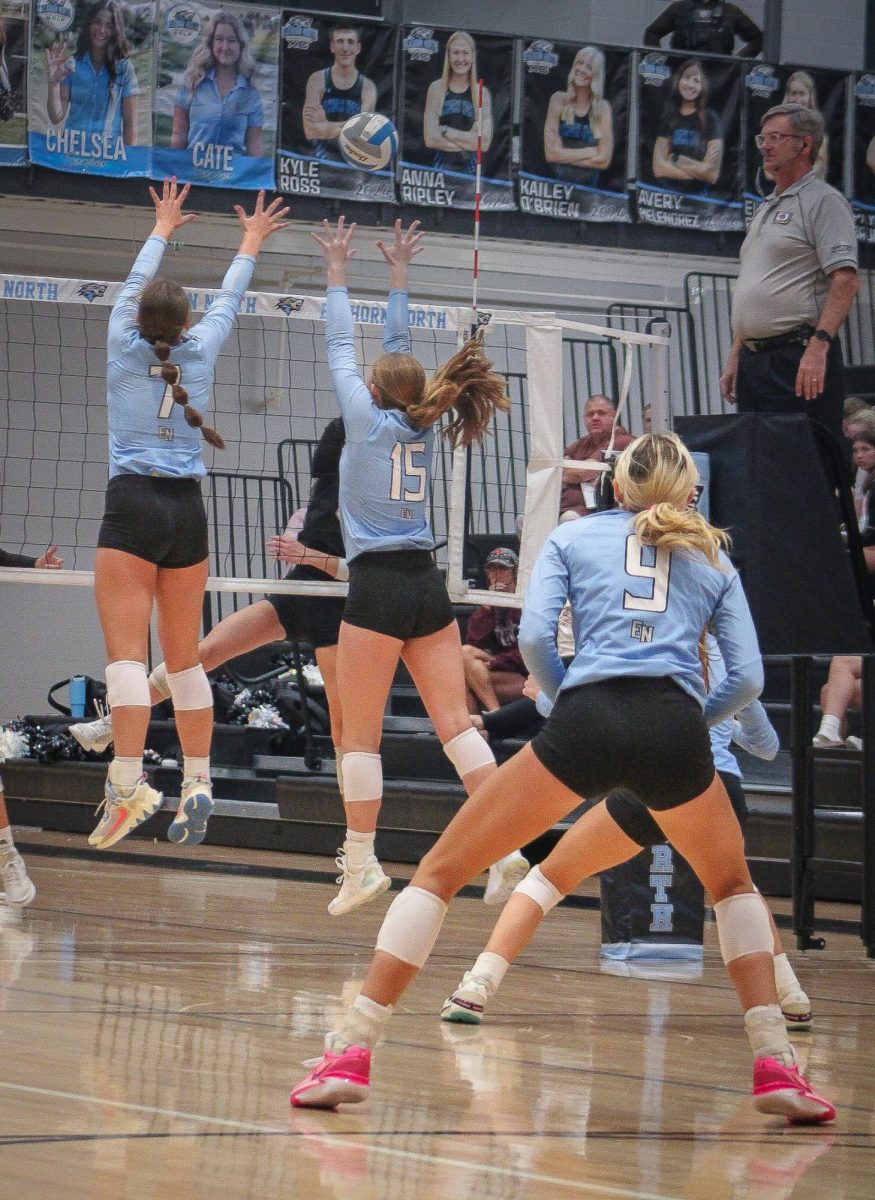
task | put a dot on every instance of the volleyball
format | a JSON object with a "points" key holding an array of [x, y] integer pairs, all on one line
{"points": [[368, 140]]}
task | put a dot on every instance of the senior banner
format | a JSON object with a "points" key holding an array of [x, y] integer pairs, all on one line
{"points": [[440, 94], [764, 87], [14, 23], [332, 69], [90, 102], [863, 201], [574, 132], [689, 130], [216, 100]]}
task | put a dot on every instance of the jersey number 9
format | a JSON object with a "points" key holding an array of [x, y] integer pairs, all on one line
{"points": [[657, 573]]}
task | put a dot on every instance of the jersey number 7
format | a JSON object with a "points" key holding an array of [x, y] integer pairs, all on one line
{"points": [[167, 401], [657, 572]]}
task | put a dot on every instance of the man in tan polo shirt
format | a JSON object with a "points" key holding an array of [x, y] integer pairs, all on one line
{"points": [[797, 281]]}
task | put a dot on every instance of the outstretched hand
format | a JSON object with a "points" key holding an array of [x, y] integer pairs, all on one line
{"points": [[405, 245], [58, 62], [336, 248], [50, 561], [262, 222], [168, 207]]}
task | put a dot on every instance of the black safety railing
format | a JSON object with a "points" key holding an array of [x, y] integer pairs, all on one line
{"points": [[805, 860], [683, 373], [294, 464]]}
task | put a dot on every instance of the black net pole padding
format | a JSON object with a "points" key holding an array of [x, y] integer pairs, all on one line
{"points": [[867, 923], [652, 907], [312, 761], [802, 877]]}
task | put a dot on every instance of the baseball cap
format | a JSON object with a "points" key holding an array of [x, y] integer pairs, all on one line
{"points": [[501, 556]]}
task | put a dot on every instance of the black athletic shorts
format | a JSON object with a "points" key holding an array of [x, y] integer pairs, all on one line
{"points": [[637, 823], [311, 619], [647, 735], [156, 518], [399, 593]]}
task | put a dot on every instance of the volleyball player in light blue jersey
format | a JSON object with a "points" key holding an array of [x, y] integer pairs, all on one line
{"points": [[639, 725], [152, 546], [397, 605], [522, 916]]}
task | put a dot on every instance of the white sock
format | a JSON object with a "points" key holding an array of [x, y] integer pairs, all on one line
{"points": [[785, 977], [158, 680], [125, 772], [362, 1025], [491, 969], [194, 768], [7, 845], [830, 727], [767, 1034], [357, 847]]}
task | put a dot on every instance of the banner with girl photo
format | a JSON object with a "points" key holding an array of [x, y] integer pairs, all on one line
{"points": [[764, 87], [332, 69], [90, 102], [863, 202], [14, 25], [689, 132], [216, 100], [575, 121], [440, 93]]}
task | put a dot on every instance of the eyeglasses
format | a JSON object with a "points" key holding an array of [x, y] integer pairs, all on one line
{"points": [[772, 139]]}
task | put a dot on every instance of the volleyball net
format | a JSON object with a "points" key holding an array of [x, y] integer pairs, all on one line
{"points": [[273, 396]]}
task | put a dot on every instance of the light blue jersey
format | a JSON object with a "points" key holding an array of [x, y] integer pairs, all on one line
{"points": [[385, 468], [95, 101], [637, 611], [223, 120], [148, 434]]}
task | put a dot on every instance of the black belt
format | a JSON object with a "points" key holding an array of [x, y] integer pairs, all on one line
{"points": [[796, 337]]}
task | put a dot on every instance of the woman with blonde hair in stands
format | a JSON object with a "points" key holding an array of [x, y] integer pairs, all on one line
{"points": [[630, 712], [397, 606]]}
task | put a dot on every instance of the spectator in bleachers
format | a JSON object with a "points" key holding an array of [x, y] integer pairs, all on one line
{"points": [[840, 692], [705, 26], [578, 487], [494, 669], [797, 281], [864, 461], [854, 405]]}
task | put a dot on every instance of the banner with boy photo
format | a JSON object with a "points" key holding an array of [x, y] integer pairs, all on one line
{"points": [[440, 73], [863, 202], [331, 70], [216, 101], [575, 121], [689, 131], [764, 87], [14, 25], [90, 101]]}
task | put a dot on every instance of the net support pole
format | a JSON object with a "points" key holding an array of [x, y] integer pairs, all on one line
{"points": [[660, 405]]}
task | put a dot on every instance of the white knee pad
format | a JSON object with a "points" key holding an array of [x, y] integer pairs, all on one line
{"points": [[158, 680], [468, 752], [362, 775], [190, 689], [127, 685], [411, 926], [538, 887], [338, 768], [743, 926]]}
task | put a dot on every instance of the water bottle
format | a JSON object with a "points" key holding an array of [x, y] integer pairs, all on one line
{"points": [[77, 696]]}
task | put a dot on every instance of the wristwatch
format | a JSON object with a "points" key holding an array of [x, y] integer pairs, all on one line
{"points": [[822, 336]]}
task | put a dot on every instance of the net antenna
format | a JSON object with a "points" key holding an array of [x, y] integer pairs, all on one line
{"points": [[477, 184]]}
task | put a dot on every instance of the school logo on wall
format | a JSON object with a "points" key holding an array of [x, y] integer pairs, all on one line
{"points": [[92, 291], [654, 70], [298, 32], [55, 14], [761, 81], [290, 304], [539, 58], [420, 44], [183, 25]]}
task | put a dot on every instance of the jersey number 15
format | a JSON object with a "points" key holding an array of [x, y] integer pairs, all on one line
{"points": [[408, 474]]}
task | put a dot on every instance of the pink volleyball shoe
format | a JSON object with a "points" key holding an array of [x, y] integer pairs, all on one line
{"points": [[785, 1092], [343, 1078]]}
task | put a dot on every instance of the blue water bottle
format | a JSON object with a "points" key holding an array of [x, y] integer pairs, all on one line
{"points": [[77, 696]]}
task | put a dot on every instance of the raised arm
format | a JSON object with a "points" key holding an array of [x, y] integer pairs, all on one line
{"points": [[58, 69], [217, 322], [398, 254], [353, 396], [168, 218]]}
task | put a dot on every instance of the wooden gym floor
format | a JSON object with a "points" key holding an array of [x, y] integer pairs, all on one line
{"points": [[153, 1019]]}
